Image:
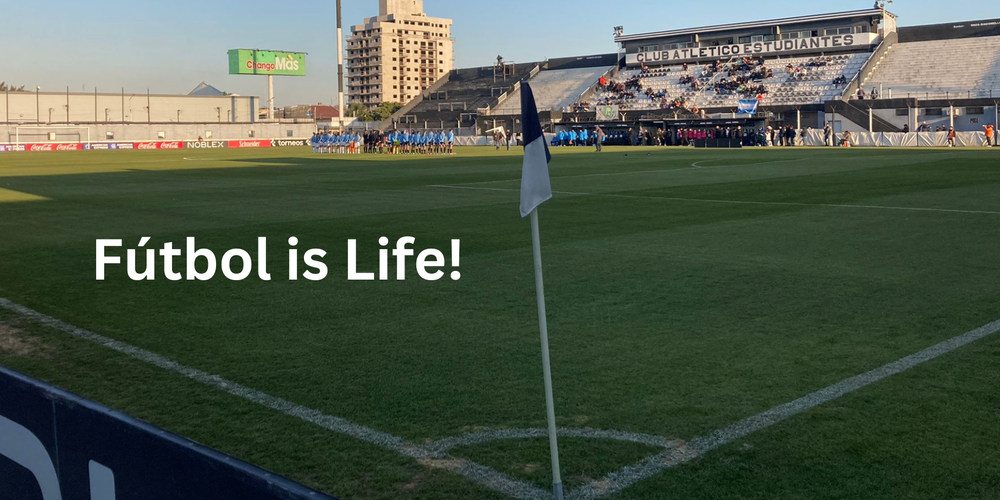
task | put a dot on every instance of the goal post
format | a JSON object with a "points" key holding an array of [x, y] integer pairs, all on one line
{"points": [[51, 134]]}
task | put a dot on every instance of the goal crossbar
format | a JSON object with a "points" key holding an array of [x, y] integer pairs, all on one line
{"points": [[46, 130]]}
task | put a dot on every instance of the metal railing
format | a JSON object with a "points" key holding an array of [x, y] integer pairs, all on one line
{"points": [[871, 65], [943, 94]]}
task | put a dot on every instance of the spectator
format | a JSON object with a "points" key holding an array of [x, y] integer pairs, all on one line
{"points": [[990, 134]]}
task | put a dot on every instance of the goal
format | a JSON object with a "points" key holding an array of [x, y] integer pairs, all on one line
{"points": [[42, 134]]}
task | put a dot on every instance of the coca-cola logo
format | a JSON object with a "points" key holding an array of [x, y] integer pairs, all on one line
{"points": [[67, 147], [40, 147], [145, 145], [171, 145]]}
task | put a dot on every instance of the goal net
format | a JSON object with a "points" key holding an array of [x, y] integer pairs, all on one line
{"points": [[43, 134]]}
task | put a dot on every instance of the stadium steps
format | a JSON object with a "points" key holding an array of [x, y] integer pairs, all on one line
{"points": [[939, 66], [466, 91], [556, 89]]}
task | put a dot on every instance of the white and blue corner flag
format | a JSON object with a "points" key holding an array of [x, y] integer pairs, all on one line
{"points": [[535, 186]]}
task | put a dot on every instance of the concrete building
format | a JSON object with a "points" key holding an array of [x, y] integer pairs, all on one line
{"points": [[396, 55], [39, 116], [71, 108]]}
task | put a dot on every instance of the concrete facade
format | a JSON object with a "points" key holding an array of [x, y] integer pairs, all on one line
{"points": [[30, 108], [396, 55], [30, 133]]}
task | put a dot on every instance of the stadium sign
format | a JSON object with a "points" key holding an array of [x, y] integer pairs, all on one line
{"points": [[56, 445], [51, 146], [266, 62], [250, 144], [206, 145], [724, 52], [160, 145]]}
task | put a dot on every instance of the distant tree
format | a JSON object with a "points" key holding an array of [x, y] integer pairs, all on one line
{"points": [[385, 110], [359, 111], [4, 88]]}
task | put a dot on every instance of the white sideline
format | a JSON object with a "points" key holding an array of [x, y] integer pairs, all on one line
{"points": [[738, 202], [481, 474], [434, 454]]}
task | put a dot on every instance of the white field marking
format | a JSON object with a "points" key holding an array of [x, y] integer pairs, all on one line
{"points": [[741, 202], [694, 166], [697, 165], [627, 476], [480, 474], [490, 435], [434, 455]]}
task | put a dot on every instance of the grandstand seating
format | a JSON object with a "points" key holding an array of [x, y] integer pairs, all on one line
{"points": [[956, 66], [466, 91], [556, 89], [813, 86]]}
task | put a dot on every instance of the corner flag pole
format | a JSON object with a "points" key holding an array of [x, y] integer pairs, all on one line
{"points": [[543, 327], [536, 188]]}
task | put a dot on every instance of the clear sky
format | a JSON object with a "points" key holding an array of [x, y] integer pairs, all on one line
{"points": [[170, 47]]}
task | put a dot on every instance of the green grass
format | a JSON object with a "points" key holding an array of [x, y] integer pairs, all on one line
{"points": [[672, 311]]}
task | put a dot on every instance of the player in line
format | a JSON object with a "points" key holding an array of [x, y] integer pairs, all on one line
{"points": [[394, 142]]}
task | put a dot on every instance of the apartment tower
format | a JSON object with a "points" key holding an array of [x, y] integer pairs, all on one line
{"points": [[398, 54]]}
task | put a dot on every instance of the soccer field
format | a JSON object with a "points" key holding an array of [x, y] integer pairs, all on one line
{"points": [[692, 295]]}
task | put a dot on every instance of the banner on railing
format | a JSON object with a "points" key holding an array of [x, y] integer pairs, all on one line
{"points": [[607, 113], [55, 445], [747, 106]]}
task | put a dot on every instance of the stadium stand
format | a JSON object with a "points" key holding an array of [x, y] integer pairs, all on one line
{"points": [[960, 66], [465, 92], [779, 81], [556, 89]]}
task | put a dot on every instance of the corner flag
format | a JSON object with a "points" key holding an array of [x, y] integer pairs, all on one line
{"points": [[535, 186], [535, 190]]}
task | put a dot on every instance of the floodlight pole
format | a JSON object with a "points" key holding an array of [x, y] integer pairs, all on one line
{"points": [[340, 66], [270, 97], [38, 105]]}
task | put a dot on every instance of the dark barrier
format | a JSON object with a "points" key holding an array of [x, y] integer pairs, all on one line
{"points": [[55, 445], [718, 143]]}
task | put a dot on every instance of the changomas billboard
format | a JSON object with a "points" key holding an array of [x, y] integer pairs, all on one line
{"points": [[266, 62]]}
